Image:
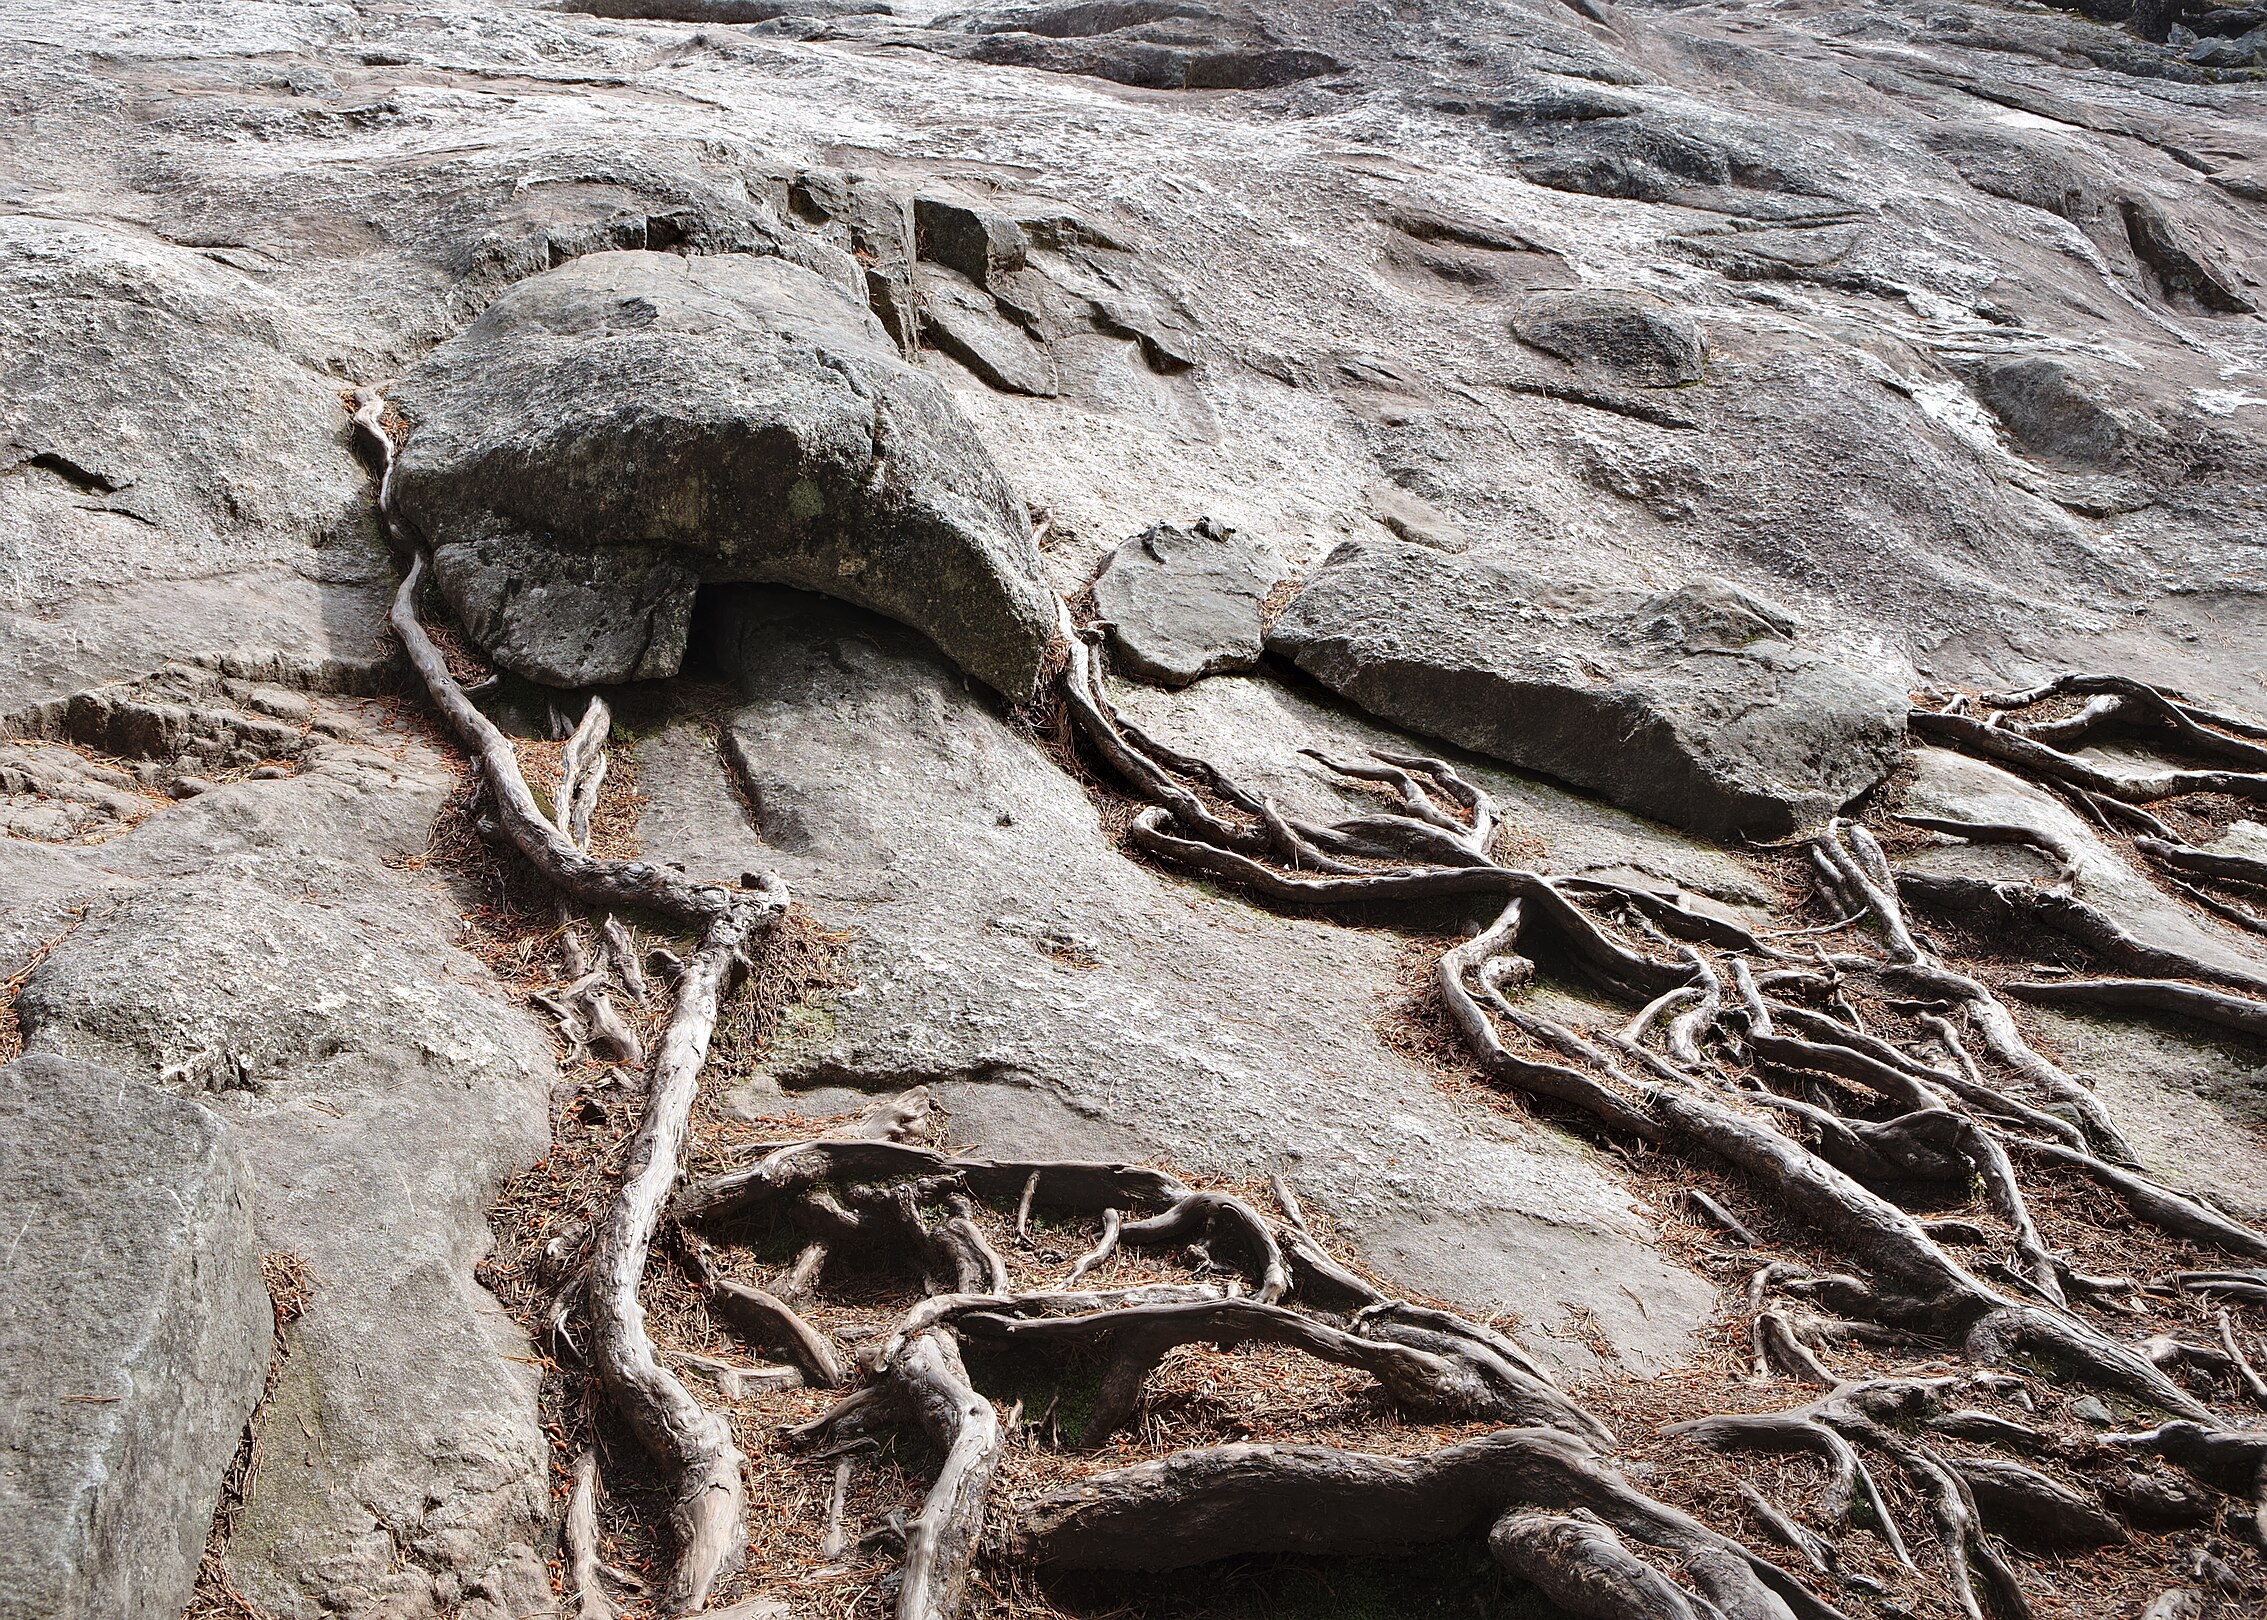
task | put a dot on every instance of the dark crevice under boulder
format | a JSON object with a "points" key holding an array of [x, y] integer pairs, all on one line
{"points": [[612, 434], [134, 1338], [1699, 706]]}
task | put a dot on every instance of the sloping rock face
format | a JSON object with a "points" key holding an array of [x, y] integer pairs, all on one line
{"points": [[134, 1336], [172, 475], [1700, 705], [1062, 1000], [1185, 603], [256, 948], [611, 434], [1979, 401]]}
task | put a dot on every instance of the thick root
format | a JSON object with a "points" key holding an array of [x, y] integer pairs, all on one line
{"points": [[942, 1540], [1198, 1506]]}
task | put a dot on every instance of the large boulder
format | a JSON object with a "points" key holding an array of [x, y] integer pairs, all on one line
{"points": [[614, 433], [1700, 706], [134, 1336]]}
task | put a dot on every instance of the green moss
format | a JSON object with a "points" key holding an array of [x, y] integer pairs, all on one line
{"points": [[805, 1027], [1070, 1389], [805, 501]]}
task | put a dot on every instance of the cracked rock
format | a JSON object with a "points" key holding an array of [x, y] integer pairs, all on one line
{"points": [[134, 1336]]}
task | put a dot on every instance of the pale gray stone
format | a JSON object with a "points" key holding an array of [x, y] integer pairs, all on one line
{"points": [[1185, 603], [254, 951], [1701, 705], [134, 1337]]}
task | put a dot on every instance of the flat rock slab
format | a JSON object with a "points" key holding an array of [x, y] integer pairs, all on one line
{"points": [[1062, 997], [134, 1337], [1701, 706], [609, 435], [1185, 603]]}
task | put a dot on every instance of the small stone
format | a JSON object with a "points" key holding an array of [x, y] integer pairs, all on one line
{"points": [[974, 241], [1185, 603], [2087, 1409], [1415, 520], [1639, 340], [188, 787]]}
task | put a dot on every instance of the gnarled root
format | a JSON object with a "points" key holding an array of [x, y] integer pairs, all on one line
{"points": [[1198, 1506], [1451, 1380], [693, 1445], [1584, 1568], [941, 1541]]}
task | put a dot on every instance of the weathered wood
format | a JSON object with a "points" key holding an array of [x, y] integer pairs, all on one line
{"points": [[774, 1324], [580, 1535], [692, 1445], [1198, 1506], [941, 1540]]}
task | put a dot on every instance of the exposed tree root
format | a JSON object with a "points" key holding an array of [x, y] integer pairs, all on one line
{"points": [[580, 1534], [1198, 1506], [2039, 759], [1832, 1123], [693, 1446], [2245, 1013], [934, 1386]]}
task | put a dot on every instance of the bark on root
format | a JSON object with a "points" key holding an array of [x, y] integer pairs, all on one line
{"points": [[1199, 1506], [693, 1446]]}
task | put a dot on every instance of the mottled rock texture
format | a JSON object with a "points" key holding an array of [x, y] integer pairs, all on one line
{"points": [[1701, 705], [134, 1335], [728, 418], [1185, 603]]}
